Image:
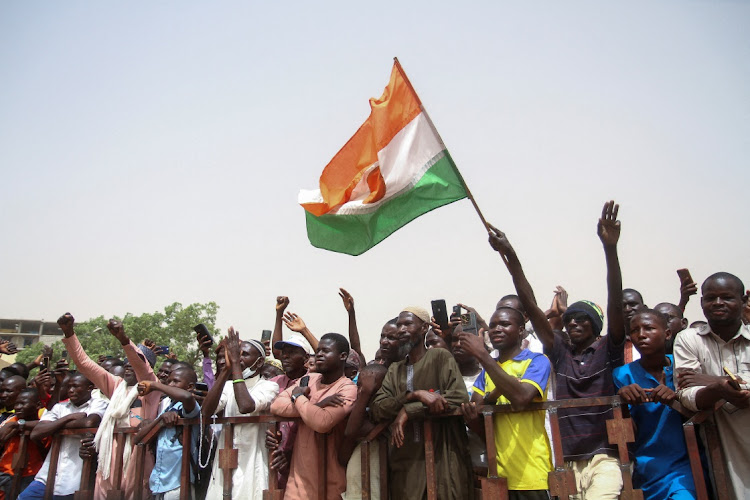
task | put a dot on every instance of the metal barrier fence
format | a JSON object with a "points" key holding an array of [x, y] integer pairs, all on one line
{"points": [[561, 480]]}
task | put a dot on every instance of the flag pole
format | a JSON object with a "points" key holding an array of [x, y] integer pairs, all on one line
{"points": [[434, 130]]}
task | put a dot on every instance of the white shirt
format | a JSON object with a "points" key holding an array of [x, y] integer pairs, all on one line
{"points": [[700, 350], [250, 477], [69, 465]]}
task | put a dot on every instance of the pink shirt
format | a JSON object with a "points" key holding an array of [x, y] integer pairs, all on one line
{"points": [[106, 382], [331, 420]]}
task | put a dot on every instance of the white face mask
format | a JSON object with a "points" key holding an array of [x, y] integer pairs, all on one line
{"points": [[249, 372]]}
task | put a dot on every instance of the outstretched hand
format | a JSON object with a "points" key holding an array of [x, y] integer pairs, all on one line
{"points": [[608, 228], [8, 347], [294, 322], [232, 351], [348, 300]]}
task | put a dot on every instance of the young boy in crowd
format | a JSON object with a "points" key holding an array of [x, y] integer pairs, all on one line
{"points": [[662, 466], [165, 477], [28, 409], [78, 412], [518, 377]]}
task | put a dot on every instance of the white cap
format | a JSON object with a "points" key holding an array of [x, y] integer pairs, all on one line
{"points": [[295, 340]]}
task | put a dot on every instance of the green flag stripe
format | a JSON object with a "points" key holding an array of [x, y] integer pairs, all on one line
{"points": [[355, 234]]}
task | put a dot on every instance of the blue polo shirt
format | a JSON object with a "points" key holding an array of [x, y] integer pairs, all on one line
{"points": [[166, 474], [662, 466]]}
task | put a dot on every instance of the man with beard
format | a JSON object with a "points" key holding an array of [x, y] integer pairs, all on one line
{"points": [[126, 408], [712, 363], [426, 382]]}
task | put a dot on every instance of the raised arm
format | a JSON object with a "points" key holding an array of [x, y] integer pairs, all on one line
{"points": [[142, 369], [101, 378], [500, 243], [296, 324], [245, 402], [608, 230], [688, 287], [353, 331], [281, 303]]}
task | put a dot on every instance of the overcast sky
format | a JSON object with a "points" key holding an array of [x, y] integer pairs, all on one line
{"points": [[152, 152]]}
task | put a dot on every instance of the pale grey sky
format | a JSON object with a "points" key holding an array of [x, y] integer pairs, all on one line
{"points": [[152, 152]]}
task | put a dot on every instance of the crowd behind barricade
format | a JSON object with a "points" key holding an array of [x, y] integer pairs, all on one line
{"points": [[329, 399]]}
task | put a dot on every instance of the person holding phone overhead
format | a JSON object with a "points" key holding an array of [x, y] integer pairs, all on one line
{"points": [[245, 393], [323, 400]]}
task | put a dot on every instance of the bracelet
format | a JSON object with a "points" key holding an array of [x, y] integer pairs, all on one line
{"points": [[238, 381]]}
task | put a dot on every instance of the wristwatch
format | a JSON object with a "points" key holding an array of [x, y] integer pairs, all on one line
{"points": [[294, 398]]}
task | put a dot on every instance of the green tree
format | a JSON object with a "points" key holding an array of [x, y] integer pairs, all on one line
{"points": [[172, 327]]}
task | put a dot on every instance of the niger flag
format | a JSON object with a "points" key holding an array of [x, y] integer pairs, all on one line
{"points": [[394, 169]]}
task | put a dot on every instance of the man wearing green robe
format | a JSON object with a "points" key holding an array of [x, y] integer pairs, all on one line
{"points": [[426, 383]]}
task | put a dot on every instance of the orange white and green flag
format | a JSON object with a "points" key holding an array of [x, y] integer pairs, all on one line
{"points": [[394, 169]]}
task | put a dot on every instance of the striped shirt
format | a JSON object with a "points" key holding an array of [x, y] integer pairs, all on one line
{"points": [[585, 375]]}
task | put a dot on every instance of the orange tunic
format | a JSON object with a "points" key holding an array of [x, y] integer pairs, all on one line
{"points": [[331, 420]]}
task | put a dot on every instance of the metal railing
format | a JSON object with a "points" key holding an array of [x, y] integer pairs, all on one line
{"points": [[562, 482]]}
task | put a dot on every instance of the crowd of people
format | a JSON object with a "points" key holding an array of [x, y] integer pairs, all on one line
{"points": [[424, 368]]}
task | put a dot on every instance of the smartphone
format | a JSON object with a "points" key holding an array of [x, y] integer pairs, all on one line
{"points": [[164, 349], [304, 381], [45, 363], [684, 275], [469, 323], [200, 386], [203, 333], [440, 313], [266, 335], [64, 354], [457, 311]]}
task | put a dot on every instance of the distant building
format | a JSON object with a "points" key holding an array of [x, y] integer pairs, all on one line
{"points": [[26, 332]]}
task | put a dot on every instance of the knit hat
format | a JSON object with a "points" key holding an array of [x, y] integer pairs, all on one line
{"points": [[419, 312], [590, 309], [148, 354]]}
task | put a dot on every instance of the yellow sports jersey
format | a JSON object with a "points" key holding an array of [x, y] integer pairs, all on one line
{"points": [[523, 451]]}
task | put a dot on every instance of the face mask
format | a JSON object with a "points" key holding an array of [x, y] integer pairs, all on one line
{"points": [[249, 372]]}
